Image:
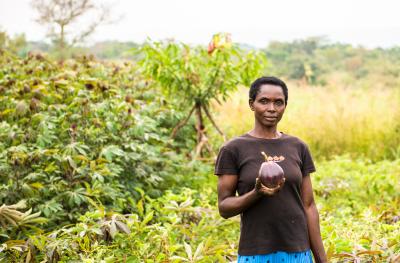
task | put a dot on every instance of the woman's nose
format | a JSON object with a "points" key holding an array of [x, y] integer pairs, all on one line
{"points": [[270, 107]]}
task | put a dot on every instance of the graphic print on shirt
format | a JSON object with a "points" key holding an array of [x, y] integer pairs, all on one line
{"points": [[275, 158]]}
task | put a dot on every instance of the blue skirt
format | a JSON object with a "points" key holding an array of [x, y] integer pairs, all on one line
{"points": [[278, 257]]}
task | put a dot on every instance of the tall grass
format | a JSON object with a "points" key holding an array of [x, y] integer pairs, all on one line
{"points": [[331, 120]]}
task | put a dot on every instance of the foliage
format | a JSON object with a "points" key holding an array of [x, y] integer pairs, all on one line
{"points": [[192, 77], [359, 207], [16, 44], [60, 15], [358, 203], [174, 228], [315, 61], [295, 60], [194, 74], [312, 61], [111, 50], [15, 223], [81, 133], [89, 173]]}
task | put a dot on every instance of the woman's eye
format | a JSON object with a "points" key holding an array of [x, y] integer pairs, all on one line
{"points": [[279, 103]]}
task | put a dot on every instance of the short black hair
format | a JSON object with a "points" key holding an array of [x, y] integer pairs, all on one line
{"points": [[255, 86]]}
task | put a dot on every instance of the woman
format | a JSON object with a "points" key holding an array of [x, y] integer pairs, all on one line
{"points": [[277, 224]]}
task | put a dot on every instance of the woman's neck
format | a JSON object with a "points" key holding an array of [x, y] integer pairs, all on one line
{"points": [[265, 132]]}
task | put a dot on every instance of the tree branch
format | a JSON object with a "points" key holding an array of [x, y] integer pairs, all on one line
{"points": [[203, 142], [213, 122], [64, 13], [182, 123]]}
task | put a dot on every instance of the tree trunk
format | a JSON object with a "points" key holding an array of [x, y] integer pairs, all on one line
{"points": [[202, 140], [199, 122], [62, 42], [208, 114]]}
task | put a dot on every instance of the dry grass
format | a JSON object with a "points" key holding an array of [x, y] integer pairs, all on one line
{"points": [[332, 120]]}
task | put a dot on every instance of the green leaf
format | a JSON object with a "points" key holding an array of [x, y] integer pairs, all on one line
{"points": [[147, 218], [188, 250], [121, 226], [111, 151]]}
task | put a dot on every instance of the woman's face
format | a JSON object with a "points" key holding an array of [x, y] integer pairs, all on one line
{"points": [[269, 105]]}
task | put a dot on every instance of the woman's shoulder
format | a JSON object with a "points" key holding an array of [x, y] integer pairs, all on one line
{"points": [[237, 142], [294, 140]]}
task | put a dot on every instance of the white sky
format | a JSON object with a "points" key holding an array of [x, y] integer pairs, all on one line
{"points": [[370, 23]]}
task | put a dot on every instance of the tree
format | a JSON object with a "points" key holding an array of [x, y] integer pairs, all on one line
{"points": [[197, 76], [15, 44], [3, 39], [59, 15]]}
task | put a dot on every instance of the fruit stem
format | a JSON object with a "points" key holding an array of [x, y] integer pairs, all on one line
{"points": [[265, 156]]}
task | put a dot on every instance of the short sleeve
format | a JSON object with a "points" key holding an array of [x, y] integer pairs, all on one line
{"points": [[226, 162], [307, 161]]}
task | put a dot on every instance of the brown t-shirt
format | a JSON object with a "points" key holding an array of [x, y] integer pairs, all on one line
{"points": [[273, 223]]}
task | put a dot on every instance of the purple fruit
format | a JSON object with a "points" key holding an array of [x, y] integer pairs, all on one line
{"points": [[270, 174]]}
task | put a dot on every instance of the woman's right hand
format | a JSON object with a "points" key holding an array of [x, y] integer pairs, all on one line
{"points": [[262, 189]]}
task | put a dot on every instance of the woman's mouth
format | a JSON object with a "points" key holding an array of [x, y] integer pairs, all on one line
{"points": [[270, 118]]}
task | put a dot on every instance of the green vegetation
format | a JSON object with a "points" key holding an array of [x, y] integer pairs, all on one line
{"points": [[196, 77], [69, 131], [315, 61], [359, 207], [89, 171]]}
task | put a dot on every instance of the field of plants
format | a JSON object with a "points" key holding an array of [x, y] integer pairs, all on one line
{"points": [[100, 160]]}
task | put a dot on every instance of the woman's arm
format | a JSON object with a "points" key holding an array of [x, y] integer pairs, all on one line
{"points": [[229, 204], [311, 210]]}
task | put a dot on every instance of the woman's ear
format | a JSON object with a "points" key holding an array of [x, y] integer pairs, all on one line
{"points": [[251, 104]]}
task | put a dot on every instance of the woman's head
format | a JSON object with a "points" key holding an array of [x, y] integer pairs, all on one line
{"points": [[268, 99], [256, 85]]}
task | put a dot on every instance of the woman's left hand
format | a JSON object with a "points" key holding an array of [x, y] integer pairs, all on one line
{"points": [[262, 189]]}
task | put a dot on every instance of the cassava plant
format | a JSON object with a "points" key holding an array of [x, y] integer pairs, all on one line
{"points": [[194, 76]]}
